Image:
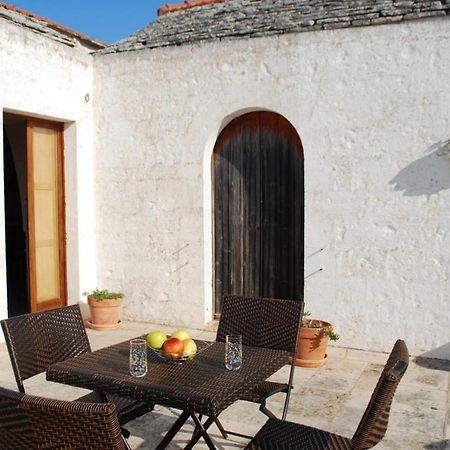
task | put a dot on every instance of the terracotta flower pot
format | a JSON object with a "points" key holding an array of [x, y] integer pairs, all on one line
{"points": [[312, 346], [105, 314]]}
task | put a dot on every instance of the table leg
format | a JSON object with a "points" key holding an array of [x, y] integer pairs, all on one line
{"points": [[173, 430], [201, 432]]}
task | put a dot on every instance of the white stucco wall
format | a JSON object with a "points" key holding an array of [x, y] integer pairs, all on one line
{"points": [[371, 107], [40, 77]]}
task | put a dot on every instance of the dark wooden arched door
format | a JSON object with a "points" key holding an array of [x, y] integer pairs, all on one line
{"points": [[258, 208]]}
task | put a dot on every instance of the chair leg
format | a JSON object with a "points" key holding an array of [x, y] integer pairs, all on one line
{"points": [[127, 445], [125, 432], [225, 432], [266, 411], [222, 430], [288, 395]]}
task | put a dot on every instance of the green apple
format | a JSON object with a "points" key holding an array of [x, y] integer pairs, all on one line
{"points": [[181, 335], [155, 339], [190, 347]]}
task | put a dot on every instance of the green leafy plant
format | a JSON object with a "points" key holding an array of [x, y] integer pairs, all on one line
{"points": [[103, 294], [315, 323]]}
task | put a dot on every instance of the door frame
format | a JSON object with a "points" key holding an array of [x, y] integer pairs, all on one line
{"points": [[58, 126]]}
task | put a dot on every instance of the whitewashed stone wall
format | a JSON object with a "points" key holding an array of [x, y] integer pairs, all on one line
{"points": [[41, 77], [371, 106]]}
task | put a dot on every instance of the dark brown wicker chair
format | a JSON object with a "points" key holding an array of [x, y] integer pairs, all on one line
{"points": [[282, 435], [28, 422], [262, 322], [36, 341], [15, 430]]}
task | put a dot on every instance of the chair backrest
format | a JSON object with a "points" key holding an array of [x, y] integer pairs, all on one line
{"points": [[262, 322], [37, 340], [374, 422], [29, 422]]}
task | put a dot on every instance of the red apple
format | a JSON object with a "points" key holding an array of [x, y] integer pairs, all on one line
{"points": [[173, 345]]}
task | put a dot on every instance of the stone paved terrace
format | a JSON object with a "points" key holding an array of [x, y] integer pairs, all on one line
{"points": [[332, 397]]}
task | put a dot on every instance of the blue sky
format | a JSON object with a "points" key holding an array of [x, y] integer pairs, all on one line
{"points": [[107, 20]]}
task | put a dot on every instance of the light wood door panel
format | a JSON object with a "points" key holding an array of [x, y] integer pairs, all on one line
{"points": [[46, 229]]}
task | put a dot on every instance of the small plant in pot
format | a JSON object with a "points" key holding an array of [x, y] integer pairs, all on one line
{"points": [[313, 341], [106, 308]]}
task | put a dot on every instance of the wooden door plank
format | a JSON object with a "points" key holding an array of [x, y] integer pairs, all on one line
{"points": [[234, 259], [46, 218], [31, 226], [218, 224], [258, 208], [250, 231]]}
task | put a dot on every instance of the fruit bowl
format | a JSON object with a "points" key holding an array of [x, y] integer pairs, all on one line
{"points": [[176, 358]]}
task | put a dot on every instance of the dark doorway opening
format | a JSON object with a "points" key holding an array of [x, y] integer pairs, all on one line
{"points": [[33, 157], [15, 192], [258, 184]]}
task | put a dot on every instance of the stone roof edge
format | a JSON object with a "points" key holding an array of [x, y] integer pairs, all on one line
{"points": [[134, 42], [43, 25], [166, 9]]}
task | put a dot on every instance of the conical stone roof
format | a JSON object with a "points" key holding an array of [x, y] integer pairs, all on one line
{"points": [[254, 18]]}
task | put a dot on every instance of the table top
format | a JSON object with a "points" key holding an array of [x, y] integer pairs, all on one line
{"points": [[202, 385]]}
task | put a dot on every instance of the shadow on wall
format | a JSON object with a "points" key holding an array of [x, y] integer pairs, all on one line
{"points": [[428, 175]]}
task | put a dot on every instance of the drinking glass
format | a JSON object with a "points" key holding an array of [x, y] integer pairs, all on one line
{"points": [[233, 352], [138, 357]]}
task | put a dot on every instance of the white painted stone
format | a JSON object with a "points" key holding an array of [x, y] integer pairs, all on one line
{"points": [[40, 77], [371, 107]]}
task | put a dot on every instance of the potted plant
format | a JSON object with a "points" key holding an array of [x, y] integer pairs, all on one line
{"points": [[313, 341], [105, 307]]}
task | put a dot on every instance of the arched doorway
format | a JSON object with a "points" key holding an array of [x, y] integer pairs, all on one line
{"points": [[258, 210]]}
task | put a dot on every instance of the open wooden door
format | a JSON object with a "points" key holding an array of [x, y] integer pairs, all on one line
{"points": [[46, 224]]}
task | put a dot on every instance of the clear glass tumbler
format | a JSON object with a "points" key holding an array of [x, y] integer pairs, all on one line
{"points": [[138, 357], [233, 352]]}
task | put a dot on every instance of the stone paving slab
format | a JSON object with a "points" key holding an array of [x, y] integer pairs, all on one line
{"points": [[332, 397]]}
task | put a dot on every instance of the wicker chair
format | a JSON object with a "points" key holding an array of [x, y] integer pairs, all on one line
{"points": [[282, 435], [262, 322], [30, 422], [36, 341]]}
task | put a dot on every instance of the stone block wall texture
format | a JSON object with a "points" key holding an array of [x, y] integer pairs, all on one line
{"points": [[371, 107]]}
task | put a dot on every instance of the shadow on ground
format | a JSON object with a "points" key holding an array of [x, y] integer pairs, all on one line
{"points": [[431, 363], [439, 445], [437, 358]]}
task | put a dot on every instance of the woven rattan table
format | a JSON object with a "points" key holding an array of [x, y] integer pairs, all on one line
{"points": [[201, 386]]}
